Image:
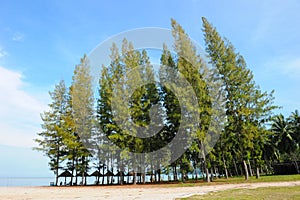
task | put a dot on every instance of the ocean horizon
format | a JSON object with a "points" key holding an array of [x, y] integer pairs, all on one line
{"points": [[25, 181]]}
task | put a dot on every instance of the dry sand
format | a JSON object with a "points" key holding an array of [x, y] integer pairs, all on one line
{"points": [[123, 192]]}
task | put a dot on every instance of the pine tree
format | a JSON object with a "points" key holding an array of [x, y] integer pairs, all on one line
{"points": [[169, 101], [72, 143], [50, 140], [191, 66], [83, 112], [247, 108]]}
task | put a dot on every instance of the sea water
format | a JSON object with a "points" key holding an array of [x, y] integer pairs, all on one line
{"points": [[25, 181], [39, 181]]}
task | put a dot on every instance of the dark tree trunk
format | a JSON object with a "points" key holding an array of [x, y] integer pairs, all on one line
{"points": [[196, 172], [83, 170], [134, 177], [56, 177], [57, 167], [211, 174], [112, 177], [159, 175], [121, 178], [103, 174], [175, 173], [241, 166], [235, 168]]}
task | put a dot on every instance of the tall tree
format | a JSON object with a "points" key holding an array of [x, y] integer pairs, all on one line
{"points": [[246, 106], [73, 146], [50, 140], [192, 67], [169, 100], [83, 111]]}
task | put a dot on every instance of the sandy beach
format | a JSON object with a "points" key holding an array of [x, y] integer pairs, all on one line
{"points": [[124, 192]]}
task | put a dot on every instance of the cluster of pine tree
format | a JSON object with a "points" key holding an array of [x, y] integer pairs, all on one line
{"points": [[77, 136]]}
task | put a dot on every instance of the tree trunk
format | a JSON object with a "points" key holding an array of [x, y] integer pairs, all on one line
{"points": [[211, 174], [241, 167], [144, 178], [103, 174], [57, 167], [206, 170], [257, 172], [204, 161], [225, 168], [196, 173], [235, 168], [121, 178], [134, 177], [56, 177], [76, 179], [175, 173], [207, 179], [246, 170], [159, 178], [112, 177], [250, 168], [71, 181], [83, 170]]}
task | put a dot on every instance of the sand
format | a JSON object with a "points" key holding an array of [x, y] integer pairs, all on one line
{"points": [[124, 192]]}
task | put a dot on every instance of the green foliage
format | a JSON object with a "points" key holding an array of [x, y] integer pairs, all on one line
{"points": [[247, 108], [50, 140], [285, 137], [130, 101]]}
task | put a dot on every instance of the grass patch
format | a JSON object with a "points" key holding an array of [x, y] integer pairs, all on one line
{"points": [[269, 178], [236, 180], [273, 193]]}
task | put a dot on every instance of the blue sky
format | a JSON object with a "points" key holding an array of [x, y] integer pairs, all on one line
{"points": [[42, 41]]}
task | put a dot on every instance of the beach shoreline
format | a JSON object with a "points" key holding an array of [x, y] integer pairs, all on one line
{"points": [[126, 192]]}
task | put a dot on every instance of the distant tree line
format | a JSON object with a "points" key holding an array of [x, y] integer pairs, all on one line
{"points": [[250, 142]]}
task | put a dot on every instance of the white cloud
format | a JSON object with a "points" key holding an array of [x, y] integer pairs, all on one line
{"points": [[2, 53], [17, 36], [19, 110]]}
